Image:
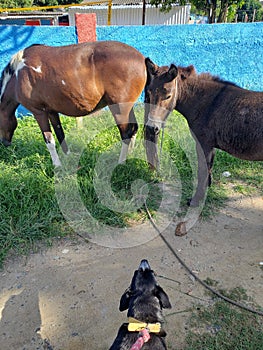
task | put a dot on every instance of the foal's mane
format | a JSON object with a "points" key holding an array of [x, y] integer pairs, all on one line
{"points": [[215, 78], [191, 72]]}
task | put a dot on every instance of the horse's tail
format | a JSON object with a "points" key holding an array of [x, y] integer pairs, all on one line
{"points": [[11, 68]]}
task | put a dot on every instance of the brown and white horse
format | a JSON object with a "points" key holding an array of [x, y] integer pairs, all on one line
{"points": [[220, 115], [74, 80]]}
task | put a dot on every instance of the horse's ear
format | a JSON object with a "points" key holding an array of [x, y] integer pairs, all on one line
{"points": [[151, 67], [172, 72]]}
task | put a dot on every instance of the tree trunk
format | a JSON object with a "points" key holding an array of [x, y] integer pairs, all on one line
{"points": [[222, 18], [211, 11]]}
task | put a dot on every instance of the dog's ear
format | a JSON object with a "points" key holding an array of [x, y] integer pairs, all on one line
{"points": [[163, 298], [125, 300]]}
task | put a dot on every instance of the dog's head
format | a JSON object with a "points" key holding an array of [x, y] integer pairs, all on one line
{"points": [[144, 299]]}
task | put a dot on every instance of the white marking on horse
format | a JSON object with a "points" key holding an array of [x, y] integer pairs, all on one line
{"points": [[37, 69], [16, 63], [63, 82], [6, 79], [53, 152], [19, 66], [126, 148]]}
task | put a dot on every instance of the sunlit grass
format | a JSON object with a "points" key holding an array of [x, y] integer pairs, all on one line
{"points": [[29, 210]]}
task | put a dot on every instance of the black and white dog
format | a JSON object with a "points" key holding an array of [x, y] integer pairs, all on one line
{"points": [[144, 300]]}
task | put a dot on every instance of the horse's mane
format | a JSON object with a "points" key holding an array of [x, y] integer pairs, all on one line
{"points": [[7, 72], [10, 68], [190, 71], [208, 76]]}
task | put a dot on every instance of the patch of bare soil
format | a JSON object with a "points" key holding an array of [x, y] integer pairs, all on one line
{"points": [[67, 297]]}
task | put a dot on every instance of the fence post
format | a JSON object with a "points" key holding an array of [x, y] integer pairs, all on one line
{"points": [[143, 12], [109, 12], [86, 31], [86, 27]]}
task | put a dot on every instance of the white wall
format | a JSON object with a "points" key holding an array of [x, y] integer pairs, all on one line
{"points": [[132, 15]]}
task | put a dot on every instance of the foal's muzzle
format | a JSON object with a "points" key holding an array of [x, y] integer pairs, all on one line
{"points": [[153, 130], [154, 125]]}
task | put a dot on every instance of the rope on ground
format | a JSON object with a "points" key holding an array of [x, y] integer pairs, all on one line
{"points": [[212, 290]]}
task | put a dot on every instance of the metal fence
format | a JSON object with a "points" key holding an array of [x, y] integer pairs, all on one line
{"points": [[119, 13]]}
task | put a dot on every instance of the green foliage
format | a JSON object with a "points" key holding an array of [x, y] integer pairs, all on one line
{"points": [[55, 2], [15, 3], [252, 9], [45, 2], [31, 3], [166, 5], [222, 10]]}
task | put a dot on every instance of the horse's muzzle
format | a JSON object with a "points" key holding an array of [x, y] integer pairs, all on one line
{"points": [[5, 142]]}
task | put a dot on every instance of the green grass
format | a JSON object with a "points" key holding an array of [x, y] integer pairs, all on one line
{"points": [[29, 209], [221, 326]]}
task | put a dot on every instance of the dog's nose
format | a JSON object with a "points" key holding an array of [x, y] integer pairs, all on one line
{"points": [[144, 265]]}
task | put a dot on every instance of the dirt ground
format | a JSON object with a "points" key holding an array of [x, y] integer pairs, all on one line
{"points": [[67, 297]]}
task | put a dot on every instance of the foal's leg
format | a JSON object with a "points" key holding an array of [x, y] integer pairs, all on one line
{"points": [[210, 162], [127, 124], [55, 121], [44, 125], [150, 136], [151, 142], [205, 157]]}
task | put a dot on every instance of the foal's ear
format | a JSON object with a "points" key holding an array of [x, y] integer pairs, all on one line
{"points": [[172, 72], [163, 298], [151, 67], [125, 300]]}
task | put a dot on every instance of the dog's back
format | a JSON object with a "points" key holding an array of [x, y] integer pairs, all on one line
{"points": [[144, 300]]}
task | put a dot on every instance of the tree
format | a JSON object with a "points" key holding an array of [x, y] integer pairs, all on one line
{"points": [[210, 7], [15, 3], [252, 10], [31, 3], [55, 2], [207, 6], [225, 5]]}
